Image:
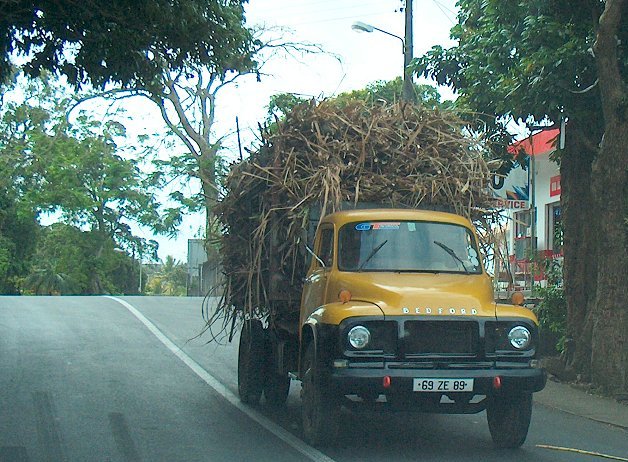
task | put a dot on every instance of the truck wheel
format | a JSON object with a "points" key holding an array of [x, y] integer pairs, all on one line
{"points": [[276, 388], [509, 419], [319, 411], [251, 361]]}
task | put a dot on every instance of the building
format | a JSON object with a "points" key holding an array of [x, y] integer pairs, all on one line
{"points": [[204, 273], [530, 194]]}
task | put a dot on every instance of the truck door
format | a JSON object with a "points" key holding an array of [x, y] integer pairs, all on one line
{"points": [[315, 286]]}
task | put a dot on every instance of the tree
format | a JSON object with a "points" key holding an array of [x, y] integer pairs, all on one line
{"points": [[18, 223], [75, 170], [170, 280], [70, 261], [122, 41], [379, 91], [542, 62], [18, 234], [391, 91], [188, 101]]}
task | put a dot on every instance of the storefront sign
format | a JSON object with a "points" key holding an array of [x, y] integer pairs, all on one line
{"points": [[513, 190]]}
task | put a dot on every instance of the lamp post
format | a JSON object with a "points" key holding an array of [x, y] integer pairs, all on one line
{"points": [[407, 91]]}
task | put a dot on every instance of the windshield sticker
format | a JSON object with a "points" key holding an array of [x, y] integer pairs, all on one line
{"points": [[411, 226], [382, 225], [386, 225]]}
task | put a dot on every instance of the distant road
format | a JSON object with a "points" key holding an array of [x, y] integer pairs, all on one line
{"points": [[100, 379]]}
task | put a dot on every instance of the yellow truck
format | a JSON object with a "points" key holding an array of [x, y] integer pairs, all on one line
{"points": [[397, 313]]}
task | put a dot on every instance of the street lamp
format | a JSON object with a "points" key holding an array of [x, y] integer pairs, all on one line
{"points": [[407, 92], [360, 26]]}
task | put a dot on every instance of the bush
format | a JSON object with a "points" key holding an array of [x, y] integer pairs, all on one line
{"points": [[552, 310]]}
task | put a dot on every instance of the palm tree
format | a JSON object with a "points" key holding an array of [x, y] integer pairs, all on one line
{"points": [[47, 281], [170, 279]]}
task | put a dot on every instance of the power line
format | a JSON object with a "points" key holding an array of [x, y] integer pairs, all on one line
{"points": [[442, 9]]}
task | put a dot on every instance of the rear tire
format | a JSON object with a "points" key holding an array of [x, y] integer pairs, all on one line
{"points": [[251, 361], [319, 409], [276, 384], [509, 419]]}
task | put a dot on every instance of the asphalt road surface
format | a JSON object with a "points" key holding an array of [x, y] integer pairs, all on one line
{"points": [[124, 379]]}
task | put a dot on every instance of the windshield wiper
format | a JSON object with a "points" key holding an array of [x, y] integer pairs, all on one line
{"points": [[452, 253], [372, 254]]}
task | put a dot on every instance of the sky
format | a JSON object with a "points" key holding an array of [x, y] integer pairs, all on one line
{"points": [[353, 60]]}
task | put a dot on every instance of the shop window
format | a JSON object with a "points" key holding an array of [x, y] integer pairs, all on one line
{"points": [[522, 224]]}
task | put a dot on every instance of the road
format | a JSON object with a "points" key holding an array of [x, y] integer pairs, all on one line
{"points": [[105, 379]]}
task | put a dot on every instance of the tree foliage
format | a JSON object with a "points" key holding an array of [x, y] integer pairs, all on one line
{"points": [[124, 42], [71, 261], [72, 172], [170, 279], [18, 232], [187, 100], [380, 91]]}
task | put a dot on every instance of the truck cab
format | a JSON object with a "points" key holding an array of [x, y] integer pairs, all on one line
{"points": [[397, 313], [398, 309]]}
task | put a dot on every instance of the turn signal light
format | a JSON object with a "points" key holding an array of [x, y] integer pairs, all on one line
{"points": [[344, 296], [386, 381], [497, 382], [517, 298]]}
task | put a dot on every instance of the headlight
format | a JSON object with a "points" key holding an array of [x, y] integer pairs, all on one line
{"points": [[519, 337], [359, 337]]}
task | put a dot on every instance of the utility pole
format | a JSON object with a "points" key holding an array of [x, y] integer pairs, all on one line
{"points": [[407, 92]]}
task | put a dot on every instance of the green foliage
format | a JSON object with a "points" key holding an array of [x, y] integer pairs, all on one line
{"points": [[46, 281], [552, 310], [18, 233], [282, 103], [171, 279], [380, 91], [528, 61], [71, 261], [389, 92], [126, 42], [71, 171]]}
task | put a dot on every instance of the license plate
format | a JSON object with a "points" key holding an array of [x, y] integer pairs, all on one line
{"points": [[443, 385]]}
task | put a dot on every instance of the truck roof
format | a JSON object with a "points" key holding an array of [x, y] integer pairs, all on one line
{"points": [[348, 216]]}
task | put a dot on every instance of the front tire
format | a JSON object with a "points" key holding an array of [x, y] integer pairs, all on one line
{"points": [[509, 419], [251, 361], [319, 409]]}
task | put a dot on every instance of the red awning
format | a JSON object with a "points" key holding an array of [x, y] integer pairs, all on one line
{"points": [[542, 142]]}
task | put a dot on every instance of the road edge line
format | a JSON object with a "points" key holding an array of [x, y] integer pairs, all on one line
{"points": [[223, 391]]}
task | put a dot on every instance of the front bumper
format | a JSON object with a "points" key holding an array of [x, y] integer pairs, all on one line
{"points": [[369, 378]]}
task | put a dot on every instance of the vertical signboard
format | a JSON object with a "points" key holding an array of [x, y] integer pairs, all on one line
{"points": [[512, 191]]}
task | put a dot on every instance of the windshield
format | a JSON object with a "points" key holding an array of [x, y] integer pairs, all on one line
{"points": [[414, 246]]}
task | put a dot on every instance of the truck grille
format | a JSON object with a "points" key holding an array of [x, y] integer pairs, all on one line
{"points": [[451, 338]]}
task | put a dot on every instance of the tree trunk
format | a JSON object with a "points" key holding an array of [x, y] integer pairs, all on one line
{"points": [[609, 357], [579, 268], [208, 177]]}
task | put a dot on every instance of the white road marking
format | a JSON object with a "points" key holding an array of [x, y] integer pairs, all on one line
{"points": [[223, 391]]}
